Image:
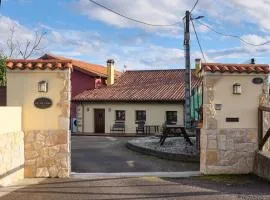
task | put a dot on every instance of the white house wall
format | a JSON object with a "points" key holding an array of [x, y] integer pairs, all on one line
{"points": [[155, 115]]}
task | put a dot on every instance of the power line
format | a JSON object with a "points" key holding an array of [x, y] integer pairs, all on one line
{"points": [[129, 18], [233, 36], [198, 40], [194, 6]]}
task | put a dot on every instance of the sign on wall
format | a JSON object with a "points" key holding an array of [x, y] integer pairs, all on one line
{"points": [[43, 103], [257, 80]]}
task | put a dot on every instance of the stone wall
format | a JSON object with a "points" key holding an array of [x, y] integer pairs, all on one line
{"points": [[229, 147], [228, 151], [11, 157], [262, 163], [47, 154]]}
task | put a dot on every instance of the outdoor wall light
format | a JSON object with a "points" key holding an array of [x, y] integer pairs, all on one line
{"points": [[218, 106], [42, 86], [237, 88]]}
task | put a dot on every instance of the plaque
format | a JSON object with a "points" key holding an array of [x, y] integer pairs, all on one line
{"points": [[257, 80], [43, 103]]}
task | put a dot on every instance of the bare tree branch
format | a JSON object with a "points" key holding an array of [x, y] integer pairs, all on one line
{"points": [[38, 39], [25, 49], [10, 42]]}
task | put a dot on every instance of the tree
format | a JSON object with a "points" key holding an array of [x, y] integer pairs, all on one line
{"points": [[3, 71], [25, 48]]}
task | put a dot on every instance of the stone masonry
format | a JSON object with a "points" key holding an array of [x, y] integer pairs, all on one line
{"points": [[47, 154], [11, 158], [224, 151], [228, 151]]}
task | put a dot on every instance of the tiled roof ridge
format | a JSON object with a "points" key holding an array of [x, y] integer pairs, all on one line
{"points": [[236, 68], [153, 70], [32, 64], [102, 70], [235, 64], [38, 60]]}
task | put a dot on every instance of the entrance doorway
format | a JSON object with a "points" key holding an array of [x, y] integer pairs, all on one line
{"points": [[99, 120]]}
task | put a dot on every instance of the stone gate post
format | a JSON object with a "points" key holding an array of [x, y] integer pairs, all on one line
{"points": [[43, 89], [231, 97]]}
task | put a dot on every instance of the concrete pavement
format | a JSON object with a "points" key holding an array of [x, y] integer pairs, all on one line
{"points": [[99, 154], [148, 188]]}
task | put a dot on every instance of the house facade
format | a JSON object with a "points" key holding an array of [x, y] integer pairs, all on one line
{"points": [[84, 76], [152, 96]]}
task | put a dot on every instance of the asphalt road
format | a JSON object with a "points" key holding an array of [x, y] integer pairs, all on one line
{"points": [[109, 155], [144, 188]]}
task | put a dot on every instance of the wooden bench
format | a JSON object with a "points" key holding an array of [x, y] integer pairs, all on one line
{"points": [[174, 131], [118, 126]]}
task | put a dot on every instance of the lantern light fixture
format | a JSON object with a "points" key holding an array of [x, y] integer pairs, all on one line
{"points": [[237, 88], [43, 86]]}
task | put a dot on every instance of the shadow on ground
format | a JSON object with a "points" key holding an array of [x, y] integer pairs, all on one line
{"points": [[121, 188]]}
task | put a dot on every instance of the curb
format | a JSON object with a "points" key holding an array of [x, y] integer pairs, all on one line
{"points": [[185, 174], [164, 155]]}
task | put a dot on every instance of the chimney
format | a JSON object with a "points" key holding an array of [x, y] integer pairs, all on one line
{"points": [[110, 72], [198, 66], [252, 61]]}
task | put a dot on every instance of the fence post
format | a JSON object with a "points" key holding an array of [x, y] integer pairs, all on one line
{"points": [[260, 127]]}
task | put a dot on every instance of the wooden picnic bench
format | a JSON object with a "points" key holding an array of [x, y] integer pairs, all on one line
{"points": [[174, 131], [118, 126]]}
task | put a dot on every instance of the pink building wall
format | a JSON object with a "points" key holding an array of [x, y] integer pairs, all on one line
{"points": [[80, 82]]}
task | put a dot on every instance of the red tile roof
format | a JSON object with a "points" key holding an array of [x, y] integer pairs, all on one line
{"points": [[141, 86], [235, 68], [93, 69], [38, 64]]}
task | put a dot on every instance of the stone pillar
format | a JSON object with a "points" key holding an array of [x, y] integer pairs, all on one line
{"points": [[265, 101], [47, 152], [224, 150]]}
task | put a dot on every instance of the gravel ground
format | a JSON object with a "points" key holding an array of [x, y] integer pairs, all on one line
{"points": [[172, 145]]}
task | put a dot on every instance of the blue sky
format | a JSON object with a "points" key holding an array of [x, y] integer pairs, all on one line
{"points": [[82, 30]]}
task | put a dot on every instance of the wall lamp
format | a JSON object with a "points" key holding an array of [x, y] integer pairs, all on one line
{"points": [[42, 86], [237, 88]]}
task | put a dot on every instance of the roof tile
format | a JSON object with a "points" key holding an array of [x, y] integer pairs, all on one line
{"points": [[13, 64], [145, 85], [95, 69], [235, 68]]}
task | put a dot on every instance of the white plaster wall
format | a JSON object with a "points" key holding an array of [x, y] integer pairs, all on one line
{"points": [[22, 91], [155, 115], [244, 106], [10, 119]]}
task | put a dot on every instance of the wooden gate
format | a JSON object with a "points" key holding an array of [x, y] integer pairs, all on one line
{"points": [[262, 139]]}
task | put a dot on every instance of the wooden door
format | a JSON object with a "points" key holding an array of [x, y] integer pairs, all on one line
{"points": [[99, 119]]}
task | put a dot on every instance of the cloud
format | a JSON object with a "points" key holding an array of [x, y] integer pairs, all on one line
{"points": [[94, 47], [21, 33], [150, 11]]}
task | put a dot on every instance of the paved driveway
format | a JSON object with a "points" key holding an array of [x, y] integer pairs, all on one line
{"points": [[144, 188], [108, 155]]}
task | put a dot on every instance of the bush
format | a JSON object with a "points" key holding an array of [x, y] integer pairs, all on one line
{"points": [[3, 71]]}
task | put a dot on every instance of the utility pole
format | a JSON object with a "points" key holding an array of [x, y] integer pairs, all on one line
{"points": [[187, 72]]}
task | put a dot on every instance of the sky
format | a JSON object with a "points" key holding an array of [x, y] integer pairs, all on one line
{"points": [[82, 30]]}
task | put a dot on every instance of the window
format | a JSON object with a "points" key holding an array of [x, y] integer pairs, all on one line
{"points": [[120, 115], [171, 116], [140, 115]]}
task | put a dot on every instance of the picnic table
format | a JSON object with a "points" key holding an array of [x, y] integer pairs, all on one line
{"points": [[174, 131], [149, 129]]}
